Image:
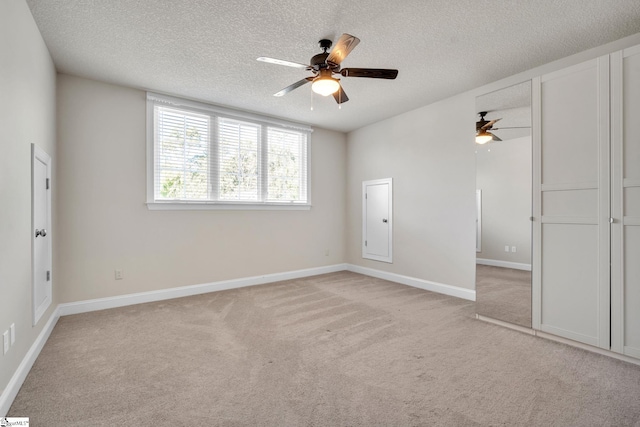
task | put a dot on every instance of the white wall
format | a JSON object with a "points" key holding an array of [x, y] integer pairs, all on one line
{"points": [[104, 223], [429, 153], [504, 176], [27, 115]]}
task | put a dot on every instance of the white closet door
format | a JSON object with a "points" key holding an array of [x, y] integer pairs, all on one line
{"points": [[625, 257], [571, 281]]}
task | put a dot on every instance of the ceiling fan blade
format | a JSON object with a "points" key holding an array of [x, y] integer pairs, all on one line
{"points": [[495, 138], [342, 48], [490, 124], [512, 127], [372, 73], [282, 62], [340, 96], [296, 85]]}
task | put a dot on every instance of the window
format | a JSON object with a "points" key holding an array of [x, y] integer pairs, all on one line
{"points": [[205, 157]]}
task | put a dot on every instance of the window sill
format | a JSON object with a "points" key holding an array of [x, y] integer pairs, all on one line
{"points": [[199, 206]]}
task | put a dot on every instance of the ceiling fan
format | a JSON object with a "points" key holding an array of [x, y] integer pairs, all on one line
{"points": [[324, 65]]}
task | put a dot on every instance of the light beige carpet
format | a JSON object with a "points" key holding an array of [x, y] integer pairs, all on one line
{"points": [[334, 350], [504, 294]]}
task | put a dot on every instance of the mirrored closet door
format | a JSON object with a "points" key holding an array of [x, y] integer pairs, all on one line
{"points": [[504, 204]]}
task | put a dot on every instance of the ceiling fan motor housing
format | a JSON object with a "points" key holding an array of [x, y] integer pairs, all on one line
{"points": [[319, 61], [480, 123]]}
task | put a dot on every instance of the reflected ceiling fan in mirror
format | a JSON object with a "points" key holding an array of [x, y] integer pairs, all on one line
{"points": [[483, 127], [324, 65]]}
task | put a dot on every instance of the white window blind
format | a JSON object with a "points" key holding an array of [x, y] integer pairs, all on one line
{"points": [[287, 155], [239, 160], [182, 155], [210, 156]]}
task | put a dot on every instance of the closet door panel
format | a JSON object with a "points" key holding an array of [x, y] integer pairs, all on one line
{"points": [[573, 191], [571, 203], [632, 291], [631, 113], [570, 127], [570, 291], [625, 255], [632, 201]]}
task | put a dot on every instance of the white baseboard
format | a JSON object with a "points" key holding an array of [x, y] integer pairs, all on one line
{"points": [[185, 291], [16, 381], [504, 264], [455, 291]]}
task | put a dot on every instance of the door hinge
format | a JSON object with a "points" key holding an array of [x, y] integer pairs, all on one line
{"points": [[47, 183], [48, 275], [366, 196], [365, 243]]}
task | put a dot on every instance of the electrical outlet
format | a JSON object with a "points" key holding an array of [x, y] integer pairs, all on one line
{"points": [[326, 252], [5, 341], [513, 249], [12, 328], [118, 274], [506, 248]]}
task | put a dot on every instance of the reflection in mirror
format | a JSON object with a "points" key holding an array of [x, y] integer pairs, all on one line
{"points": [[503, 197]]}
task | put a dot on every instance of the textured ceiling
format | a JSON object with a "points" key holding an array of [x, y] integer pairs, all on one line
{"points": [[207, 50]]}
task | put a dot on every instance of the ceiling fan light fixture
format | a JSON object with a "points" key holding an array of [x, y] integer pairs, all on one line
{"points": [[483, 137], [325, 86]]}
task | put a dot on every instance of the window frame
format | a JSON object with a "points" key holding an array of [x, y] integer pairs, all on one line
{"points": [[216, 112]]}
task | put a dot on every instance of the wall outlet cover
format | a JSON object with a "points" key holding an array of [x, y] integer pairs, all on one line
{"points": [[12, 328]]}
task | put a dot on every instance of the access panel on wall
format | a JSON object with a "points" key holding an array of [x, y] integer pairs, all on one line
{"points": [[377, 219]]}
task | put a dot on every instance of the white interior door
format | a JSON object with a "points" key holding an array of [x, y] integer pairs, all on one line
{"points": [[377, 220], [41, 230]]}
